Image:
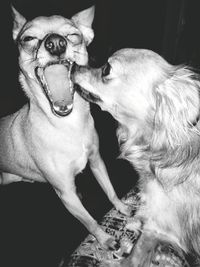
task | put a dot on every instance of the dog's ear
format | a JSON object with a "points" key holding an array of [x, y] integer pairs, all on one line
{"points": [[83, 21], [177, 108], [18, 22]]}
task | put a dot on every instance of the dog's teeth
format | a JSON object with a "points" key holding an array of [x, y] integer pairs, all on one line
{"points": [[43, 79], [71, 84]]}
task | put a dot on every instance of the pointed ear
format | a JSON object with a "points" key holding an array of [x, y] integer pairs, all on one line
{"points": [[18, 22], [83, 20], [85, 17]]}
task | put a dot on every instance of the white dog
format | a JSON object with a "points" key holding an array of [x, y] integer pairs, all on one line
{"points": [[52, 137], [157, 106]]}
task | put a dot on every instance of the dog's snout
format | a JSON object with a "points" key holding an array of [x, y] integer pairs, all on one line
{"points": [[78, 71], [55, 44]]}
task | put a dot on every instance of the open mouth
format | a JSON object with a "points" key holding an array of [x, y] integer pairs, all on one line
{"points": [[55, 79], [86, 94]]}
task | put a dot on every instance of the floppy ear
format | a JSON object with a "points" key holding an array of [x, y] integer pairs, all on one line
{"points": [[83, 20], [177, 108], [18, 22]]}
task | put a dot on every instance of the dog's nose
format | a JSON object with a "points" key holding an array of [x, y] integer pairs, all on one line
{"points": [[55, 44]]}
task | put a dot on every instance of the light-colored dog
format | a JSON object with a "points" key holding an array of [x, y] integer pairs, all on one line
{"points": [[157, 106], [53, 136]]}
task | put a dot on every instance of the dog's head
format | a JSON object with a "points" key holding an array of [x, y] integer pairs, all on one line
{"points": [[48, 47], [150, 97]]}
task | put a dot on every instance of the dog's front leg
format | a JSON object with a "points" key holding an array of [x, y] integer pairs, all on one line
{"points": [[99, 170], [7, 178], [73, 204]]}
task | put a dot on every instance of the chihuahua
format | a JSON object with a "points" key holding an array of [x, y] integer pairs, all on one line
{"points": [[157, 106], [52, 137]]}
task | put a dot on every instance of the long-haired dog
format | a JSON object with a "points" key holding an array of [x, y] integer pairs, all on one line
{"points": [[157, 106], [53, 136]]}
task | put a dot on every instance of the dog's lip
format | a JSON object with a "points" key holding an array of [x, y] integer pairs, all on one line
{"points": [[65, 62], [39, 72], [91, 97]]}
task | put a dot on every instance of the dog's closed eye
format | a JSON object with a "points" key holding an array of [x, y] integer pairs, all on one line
{"points": [[74, 38], [28, 38]]}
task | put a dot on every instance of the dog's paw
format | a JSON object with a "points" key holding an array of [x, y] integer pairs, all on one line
{"points": [[107, 241], [134, 225], [124, 208], [111, 244]]}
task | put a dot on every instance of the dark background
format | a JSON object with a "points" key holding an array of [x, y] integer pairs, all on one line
{"points": [[36, 229]]}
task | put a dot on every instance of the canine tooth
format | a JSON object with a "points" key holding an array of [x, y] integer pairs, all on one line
{"points": [[43, 78]]}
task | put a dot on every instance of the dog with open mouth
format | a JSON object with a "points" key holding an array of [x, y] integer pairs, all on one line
{"points": [[157, 106], [51, 138]]}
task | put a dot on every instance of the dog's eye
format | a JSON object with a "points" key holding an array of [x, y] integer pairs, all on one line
{"points": [[74, 38], [106, 70], [28, 38]]}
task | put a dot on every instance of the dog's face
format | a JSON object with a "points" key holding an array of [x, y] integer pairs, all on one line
{"points": [[139, 87], [48, 47], [121, 86]]}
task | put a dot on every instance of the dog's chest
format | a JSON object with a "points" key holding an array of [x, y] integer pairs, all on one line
{"points": [[63, 150], [71, 159], [80, 162]]}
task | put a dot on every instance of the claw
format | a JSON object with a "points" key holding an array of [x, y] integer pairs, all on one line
{"points": [[124, 208], [112, 244]]}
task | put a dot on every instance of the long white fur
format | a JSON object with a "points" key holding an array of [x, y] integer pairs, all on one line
{"points": [[157, 106], [170, 157]]}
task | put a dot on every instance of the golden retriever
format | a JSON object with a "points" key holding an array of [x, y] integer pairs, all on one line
{"points": [[157, 107]]}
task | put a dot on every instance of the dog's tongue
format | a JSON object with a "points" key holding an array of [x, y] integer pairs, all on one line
{"points": [[59, 85]]}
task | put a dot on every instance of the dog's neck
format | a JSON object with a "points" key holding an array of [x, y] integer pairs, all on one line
{"points": [[139, 134], [132, 139], [165, 163]]}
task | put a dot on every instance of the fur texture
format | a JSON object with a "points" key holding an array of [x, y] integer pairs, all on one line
{"points": [[157, 106]]}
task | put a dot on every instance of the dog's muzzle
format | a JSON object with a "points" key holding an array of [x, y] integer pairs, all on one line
{"points": [[91, 97], [55, 79]]}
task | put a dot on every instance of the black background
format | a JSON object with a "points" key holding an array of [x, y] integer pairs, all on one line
{"points": [[36, 229]]}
